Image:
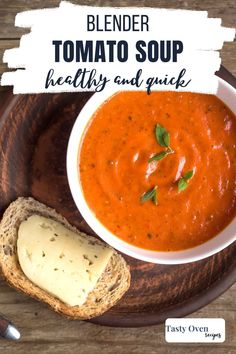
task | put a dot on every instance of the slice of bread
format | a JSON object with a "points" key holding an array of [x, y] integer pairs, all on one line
{"points": [[111, 286]]}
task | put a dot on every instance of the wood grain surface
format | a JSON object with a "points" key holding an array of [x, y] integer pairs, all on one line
{"points": [[46, 332]]}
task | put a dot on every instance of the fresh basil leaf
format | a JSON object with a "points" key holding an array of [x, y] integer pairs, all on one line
{"points": [[154, 199], [150, 195], [182, 184], [166, 139], [162, 135], [188, 175], [159, 156]]}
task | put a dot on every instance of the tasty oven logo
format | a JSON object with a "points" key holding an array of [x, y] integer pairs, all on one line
{"points": [[75, 48], [195, 330]]}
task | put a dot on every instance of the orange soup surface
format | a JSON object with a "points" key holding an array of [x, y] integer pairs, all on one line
{"points": [[115, 171]]}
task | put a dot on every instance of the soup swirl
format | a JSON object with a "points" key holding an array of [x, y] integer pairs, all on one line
{"points": [[115, 169]]}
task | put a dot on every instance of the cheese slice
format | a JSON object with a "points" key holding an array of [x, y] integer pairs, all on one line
{"points": [[60, 261]]}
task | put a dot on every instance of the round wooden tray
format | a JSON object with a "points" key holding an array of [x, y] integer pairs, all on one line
{"points": [[34, 131]]}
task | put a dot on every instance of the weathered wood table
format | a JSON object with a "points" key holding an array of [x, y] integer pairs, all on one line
{"points": [[46, 332]]}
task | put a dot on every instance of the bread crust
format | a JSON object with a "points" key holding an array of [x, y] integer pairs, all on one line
{"points": [[111, 286]]}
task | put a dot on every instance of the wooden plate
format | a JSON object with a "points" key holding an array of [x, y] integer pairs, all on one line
{"points": [[34, 131]]}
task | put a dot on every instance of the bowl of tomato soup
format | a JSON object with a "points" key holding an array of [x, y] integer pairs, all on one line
{"points": [[155, 175]]}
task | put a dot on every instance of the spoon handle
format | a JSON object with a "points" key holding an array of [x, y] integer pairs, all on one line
{"points": [[8, 330]]}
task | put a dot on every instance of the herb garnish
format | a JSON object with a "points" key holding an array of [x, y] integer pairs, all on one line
{"points": [[162, 135], [150, 195], [183, 181], [160, 155], [163, 138], [188, 175], [182, 184]]}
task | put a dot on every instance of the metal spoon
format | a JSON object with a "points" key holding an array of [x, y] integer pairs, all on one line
{"points": [[8, 330]]}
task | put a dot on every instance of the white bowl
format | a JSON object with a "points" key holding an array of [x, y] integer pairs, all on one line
{"points": [[228, 95]]}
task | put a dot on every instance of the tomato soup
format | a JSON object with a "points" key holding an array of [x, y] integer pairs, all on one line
{"points": [[159, 170]]}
